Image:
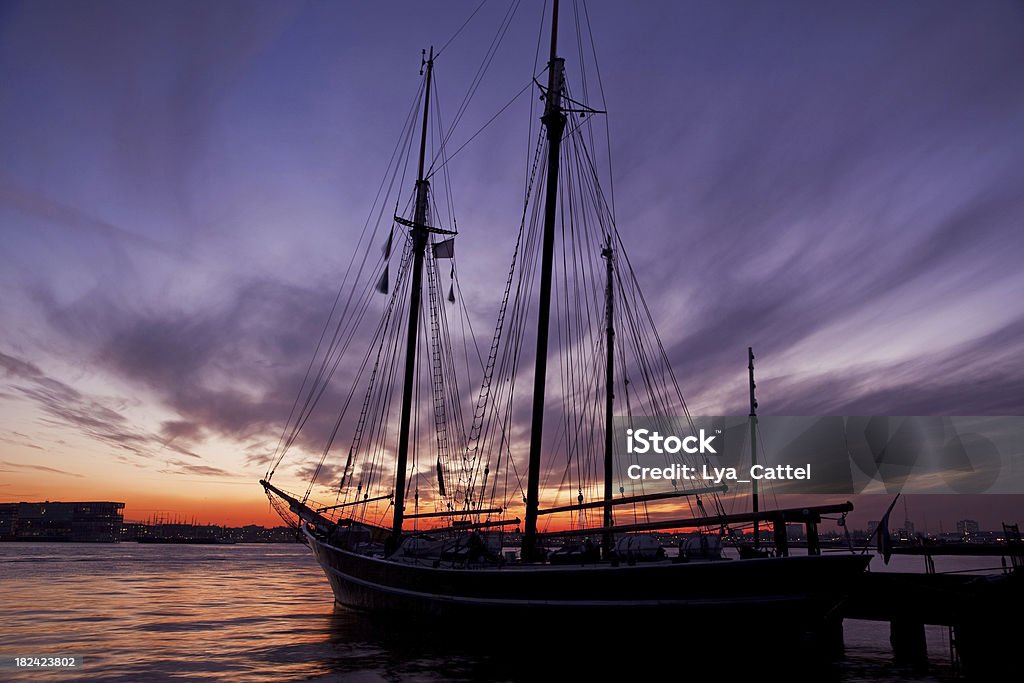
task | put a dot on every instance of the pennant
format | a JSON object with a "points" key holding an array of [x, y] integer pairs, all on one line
{"points": [[884, 539], [387, 245], [382, 283], [451, 294], [440, 479], [445, 249]]}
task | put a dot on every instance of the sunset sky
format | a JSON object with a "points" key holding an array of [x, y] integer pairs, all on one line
{"points": [[181, 186]]}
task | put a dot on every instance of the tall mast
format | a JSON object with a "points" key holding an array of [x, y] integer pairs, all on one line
{"points": [[753, 446], [420, 234], [554, 121], [608, 541]]}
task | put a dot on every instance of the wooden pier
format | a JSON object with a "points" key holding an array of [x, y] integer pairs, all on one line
{"points": [[983, 611]]}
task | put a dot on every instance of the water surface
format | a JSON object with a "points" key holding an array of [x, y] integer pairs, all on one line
{"points": [[265, 613]]}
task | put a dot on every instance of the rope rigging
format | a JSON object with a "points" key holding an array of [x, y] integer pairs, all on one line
{"points": [[468, 468]]}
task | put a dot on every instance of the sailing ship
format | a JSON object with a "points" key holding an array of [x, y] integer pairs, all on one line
{"points": [[452, 549]]}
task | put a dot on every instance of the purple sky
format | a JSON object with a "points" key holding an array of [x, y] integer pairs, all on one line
{"points": [[837, 185]]}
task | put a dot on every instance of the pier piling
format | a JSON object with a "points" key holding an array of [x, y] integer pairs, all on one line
{"points": [[909, 647], [967, 603]]}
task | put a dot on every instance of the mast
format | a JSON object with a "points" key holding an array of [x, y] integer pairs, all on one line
{"points": [[554, 121], [420, 234], [608, 540], [753, 446]]}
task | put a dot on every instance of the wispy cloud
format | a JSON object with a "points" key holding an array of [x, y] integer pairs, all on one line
{"points": [[50, 210], [37, 468], [230, 369], [65, 406], [180, 467]]}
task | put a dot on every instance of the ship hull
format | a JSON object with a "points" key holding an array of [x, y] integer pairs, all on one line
{"points": [[795, 592]]}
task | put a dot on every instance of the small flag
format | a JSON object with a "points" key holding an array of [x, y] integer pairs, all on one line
{"points": [[451, 294], [440, 479], [387, 245], [445, 249], [884, 539], [382, 283]]}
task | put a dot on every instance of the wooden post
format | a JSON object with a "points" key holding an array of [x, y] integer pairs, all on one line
{"points": [[909, 647], [813, 545], [781, 542]]}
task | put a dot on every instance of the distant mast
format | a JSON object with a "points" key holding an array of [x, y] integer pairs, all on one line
{"points": [[608, 540], [554, 121], [753, 447], [420, 235]]}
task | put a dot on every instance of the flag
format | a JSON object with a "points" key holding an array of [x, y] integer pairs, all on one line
{"points": [[440, 478], [387, 245], [451, 294], [445, 249], [382, 283], [884, 539]]}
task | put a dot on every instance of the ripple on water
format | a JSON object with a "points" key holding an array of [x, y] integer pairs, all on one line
{"points": [[264, 613]]}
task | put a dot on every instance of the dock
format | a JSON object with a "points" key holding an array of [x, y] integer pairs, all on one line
{"points": [[982, 612]]}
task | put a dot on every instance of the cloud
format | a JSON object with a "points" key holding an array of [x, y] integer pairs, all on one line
{"points": [[328, 475], [66, 406], [19, 368], [38, 468], [900, 282], [181, 467], [175, 429], [976, 377], [58, 213], [22, 442], [227, 368], [94, 416]]}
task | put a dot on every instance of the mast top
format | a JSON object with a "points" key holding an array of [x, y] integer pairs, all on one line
{"points": [[554, 33], [556, 77], [426, 61], [750, 367], [429, 63]]}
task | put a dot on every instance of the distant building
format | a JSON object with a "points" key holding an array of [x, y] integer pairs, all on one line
{"points": [[8, 515], [966, 528], [98, 522], [131, 531], [906, 532], [258, 534]]}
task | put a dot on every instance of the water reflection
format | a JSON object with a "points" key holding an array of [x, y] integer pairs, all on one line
{"points": [[265, 613]]}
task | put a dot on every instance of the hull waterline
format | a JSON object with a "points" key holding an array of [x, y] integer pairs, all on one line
{"points": [[795, 591]]}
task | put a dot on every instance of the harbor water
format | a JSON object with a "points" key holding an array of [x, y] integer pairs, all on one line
{"points": [[265, 613]]}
